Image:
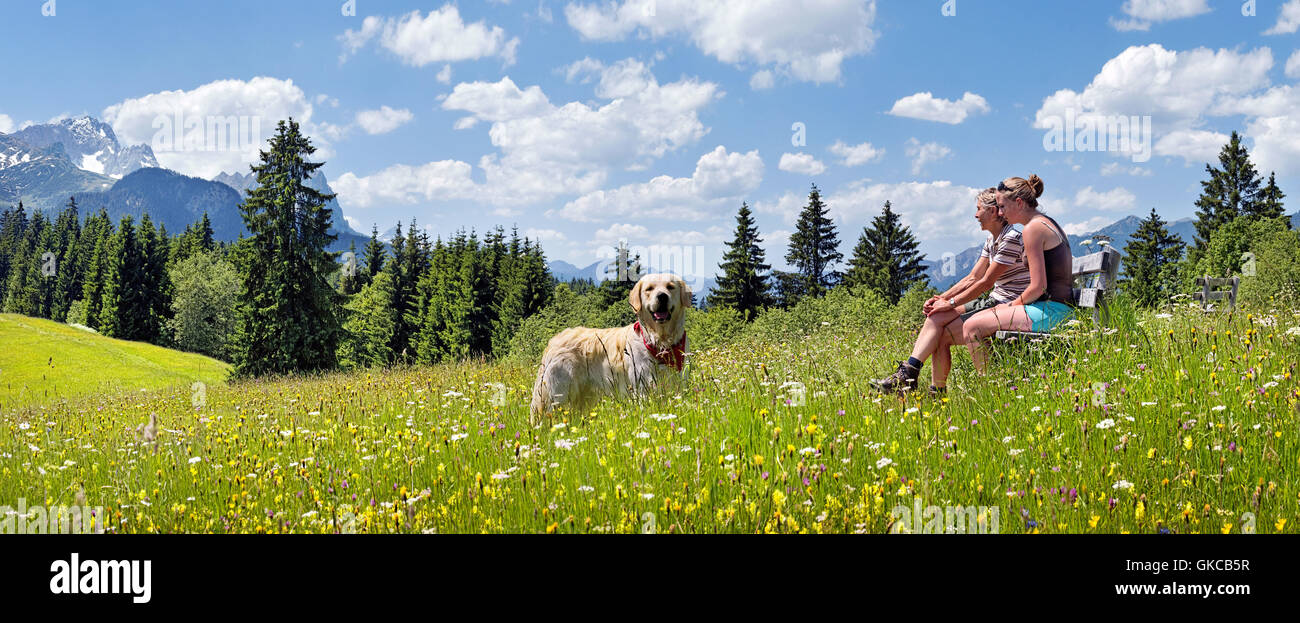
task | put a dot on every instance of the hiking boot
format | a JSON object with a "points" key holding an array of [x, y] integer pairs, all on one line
{"points": [[902, 380]]}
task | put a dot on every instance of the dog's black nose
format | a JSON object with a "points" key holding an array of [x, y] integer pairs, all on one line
{"points": [[662, 297]]}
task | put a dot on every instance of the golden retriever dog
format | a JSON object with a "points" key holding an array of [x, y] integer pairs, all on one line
{"points": [[582, 365]]}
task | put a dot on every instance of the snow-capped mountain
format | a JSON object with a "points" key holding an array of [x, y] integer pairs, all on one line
{"points": [[91, 145], [43, 176]]}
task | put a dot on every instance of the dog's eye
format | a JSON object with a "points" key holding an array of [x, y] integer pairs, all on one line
{"points": [[670, 287]]}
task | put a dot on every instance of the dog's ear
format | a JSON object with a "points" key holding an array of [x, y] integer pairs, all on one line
{"points": [[686, 293], [634, 297]]}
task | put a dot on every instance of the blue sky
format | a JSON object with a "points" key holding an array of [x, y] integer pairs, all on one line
{"points": [[650, 121]]}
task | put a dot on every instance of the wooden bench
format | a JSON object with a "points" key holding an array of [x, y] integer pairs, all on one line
{"points": [[1210, 291], [1096, 276]]}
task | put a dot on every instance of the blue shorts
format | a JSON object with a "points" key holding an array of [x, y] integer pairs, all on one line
{"points": [[1045, 315]]}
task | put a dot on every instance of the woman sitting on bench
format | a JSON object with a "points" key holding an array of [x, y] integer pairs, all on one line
{"points": [[1049, 298], [1001, 266]]}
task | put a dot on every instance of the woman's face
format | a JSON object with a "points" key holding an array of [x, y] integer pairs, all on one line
{"points": [[1011, 208], [988, 217]]}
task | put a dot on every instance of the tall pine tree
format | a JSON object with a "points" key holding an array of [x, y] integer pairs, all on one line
{"points": [[743, 285], [289, 316], [1269, 203], [1150, 262], [886, 257], [1231, 190], [814, 251]]}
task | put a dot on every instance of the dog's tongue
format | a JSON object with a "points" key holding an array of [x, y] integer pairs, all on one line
{"points": [[659, 316]]}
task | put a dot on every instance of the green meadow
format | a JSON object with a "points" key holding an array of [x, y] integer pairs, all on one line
{"points": [[1176, 421]]}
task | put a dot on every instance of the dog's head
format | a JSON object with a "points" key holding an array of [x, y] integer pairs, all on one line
{"points": [[660, 302]]}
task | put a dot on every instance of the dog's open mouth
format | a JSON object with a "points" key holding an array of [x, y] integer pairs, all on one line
{"points": [[661, 316]]}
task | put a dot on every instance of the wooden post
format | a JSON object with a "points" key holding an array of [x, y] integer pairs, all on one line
{"points": [[1205, 294]]}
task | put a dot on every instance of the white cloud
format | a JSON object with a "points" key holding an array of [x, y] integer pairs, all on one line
{"points": [[761, 80], [441, 36], [1175, 88], [583, 71], [1116, 168], [1178, 90], [216, 127], [855, 155], [720, 177], [324, 99], [1115, 200], [810, 46], [1288, 19], [926, 107], [546, 150], [1293, 65], [1141, 13], [6, 124], [406, 185], [923, 154], [1193, 146], [444, 74], [1088, 226], [383, 120], [544, 12], [801, 163]]}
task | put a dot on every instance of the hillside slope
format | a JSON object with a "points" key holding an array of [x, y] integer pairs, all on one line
{"points": [[42, 361]]}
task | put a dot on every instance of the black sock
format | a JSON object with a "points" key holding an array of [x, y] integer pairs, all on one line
{"points": [[915, 363]]}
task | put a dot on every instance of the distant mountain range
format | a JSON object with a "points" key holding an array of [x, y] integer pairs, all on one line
{"points": [[44, 165]]}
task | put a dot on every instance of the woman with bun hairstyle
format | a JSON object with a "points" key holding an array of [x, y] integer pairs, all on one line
{"points": [[1049, 299]]}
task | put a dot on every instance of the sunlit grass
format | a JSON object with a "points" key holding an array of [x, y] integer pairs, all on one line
{"points": [[1194, 431]]}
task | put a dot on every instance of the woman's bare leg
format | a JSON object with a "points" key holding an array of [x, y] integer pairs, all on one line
{"points": [[984, 324], [927, 342]]}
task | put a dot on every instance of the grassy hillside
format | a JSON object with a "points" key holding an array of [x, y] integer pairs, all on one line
{"points": [[42, 361], [1181, 422]]}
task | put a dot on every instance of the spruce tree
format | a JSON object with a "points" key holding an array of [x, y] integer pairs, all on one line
{"points": [[125, 309], [743, 286], [886, 258], [289, 316], [1231, 190], [1269, 203], [1150, 262], [375, 253], [814, 251], [98, 239]]}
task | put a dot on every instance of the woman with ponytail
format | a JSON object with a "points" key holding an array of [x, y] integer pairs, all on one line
{"points": [[1049, 298]]}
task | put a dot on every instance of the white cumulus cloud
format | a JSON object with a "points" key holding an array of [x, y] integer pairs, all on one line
{"points": [[1115, 200], [383, 120], [1142, 13], [1288, 19], [406, 185], [441, 36], [720, 177], [926, 107], [801, 163], [808, 42], [925, 153], [216, 127], [855, 155]]}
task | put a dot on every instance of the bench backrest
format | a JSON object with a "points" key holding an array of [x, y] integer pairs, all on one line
{"points": [[1210, 290], [1096, 274]]}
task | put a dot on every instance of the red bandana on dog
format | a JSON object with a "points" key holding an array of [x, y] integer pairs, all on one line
{"points": [[672, 357]]}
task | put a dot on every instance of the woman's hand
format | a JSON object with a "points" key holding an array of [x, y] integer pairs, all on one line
{"points": [[929, 304], [940, 306]]}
